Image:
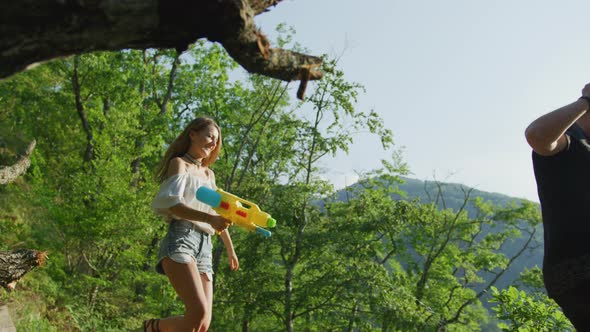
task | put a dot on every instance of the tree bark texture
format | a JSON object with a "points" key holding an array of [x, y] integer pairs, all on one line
{"points": [[38, 30], [15, 264], [10, 173]]}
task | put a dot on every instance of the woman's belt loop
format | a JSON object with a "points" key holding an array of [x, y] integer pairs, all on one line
{"points": [[201, 244]]}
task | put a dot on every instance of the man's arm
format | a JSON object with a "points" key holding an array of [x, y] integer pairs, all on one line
{"points": [[546, 135]]}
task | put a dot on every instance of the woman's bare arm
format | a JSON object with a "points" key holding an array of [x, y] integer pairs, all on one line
{"points": [[177, 166]]}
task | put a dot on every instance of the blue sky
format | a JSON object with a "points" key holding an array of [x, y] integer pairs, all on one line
{"points": [[457, 81]]}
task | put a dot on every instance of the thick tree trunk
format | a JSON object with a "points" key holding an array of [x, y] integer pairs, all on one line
{"points": [[15, 264], [37, 30]]}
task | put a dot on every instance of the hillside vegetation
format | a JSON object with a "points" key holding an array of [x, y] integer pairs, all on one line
{"points": [[367, 261]]}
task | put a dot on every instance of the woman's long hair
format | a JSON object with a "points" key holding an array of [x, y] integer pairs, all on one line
{"points": [[181, 144]]}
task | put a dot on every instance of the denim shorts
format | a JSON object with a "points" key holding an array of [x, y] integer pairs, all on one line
{"points": [[185, 243]]}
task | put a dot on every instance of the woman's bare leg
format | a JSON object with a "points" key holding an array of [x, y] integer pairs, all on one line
{"points": [[208, 288], [188, 285], [177, 320]]}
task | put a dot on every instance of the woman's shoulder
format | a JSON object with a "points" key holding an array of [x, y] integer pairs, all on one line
{"points": [[210, 174], [176, 166]]}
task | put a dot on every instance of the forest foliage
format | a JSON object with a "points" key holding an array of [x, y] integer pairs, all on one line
{"points": [[365, 260]]}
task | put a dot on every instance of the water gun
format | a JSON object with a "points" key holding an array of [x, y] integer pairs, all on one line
{"points": [[238, 211]]}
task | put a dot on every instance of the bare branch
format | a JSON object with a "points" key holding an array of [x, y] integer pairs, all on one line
{"points": [[166, 99], [10, 173], [76, 85]]}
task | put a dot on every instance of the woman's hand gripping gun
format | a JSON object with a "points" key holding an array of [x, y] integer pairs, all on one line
{"points": [[239, 211]]}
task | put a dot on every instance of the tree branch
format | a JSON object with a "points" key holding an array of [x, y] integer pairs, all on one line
{"points": [[261, 6], [89, 153], [9, 173], [39, 30], [15, 264], [166, 99]]}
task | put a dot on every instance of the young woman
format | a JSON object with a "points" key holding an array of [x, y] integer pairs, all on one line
{"points": [[185, 255]]}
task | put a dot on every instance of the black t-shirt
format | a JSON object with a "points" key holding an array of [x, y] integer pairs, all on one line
{"points": [[563, 185]]}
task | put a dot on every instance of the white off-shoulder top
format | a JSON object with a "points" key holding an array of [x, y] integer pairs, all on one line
{"points": [[182, 188]]}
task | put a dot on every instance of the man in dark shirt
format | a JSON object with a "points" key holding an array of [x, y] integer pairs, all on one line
{"points": [[561, 160]]}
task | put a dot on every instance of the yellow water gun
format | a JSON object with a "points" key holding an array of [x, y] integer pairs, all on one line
{"points": [[239, 211]]}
